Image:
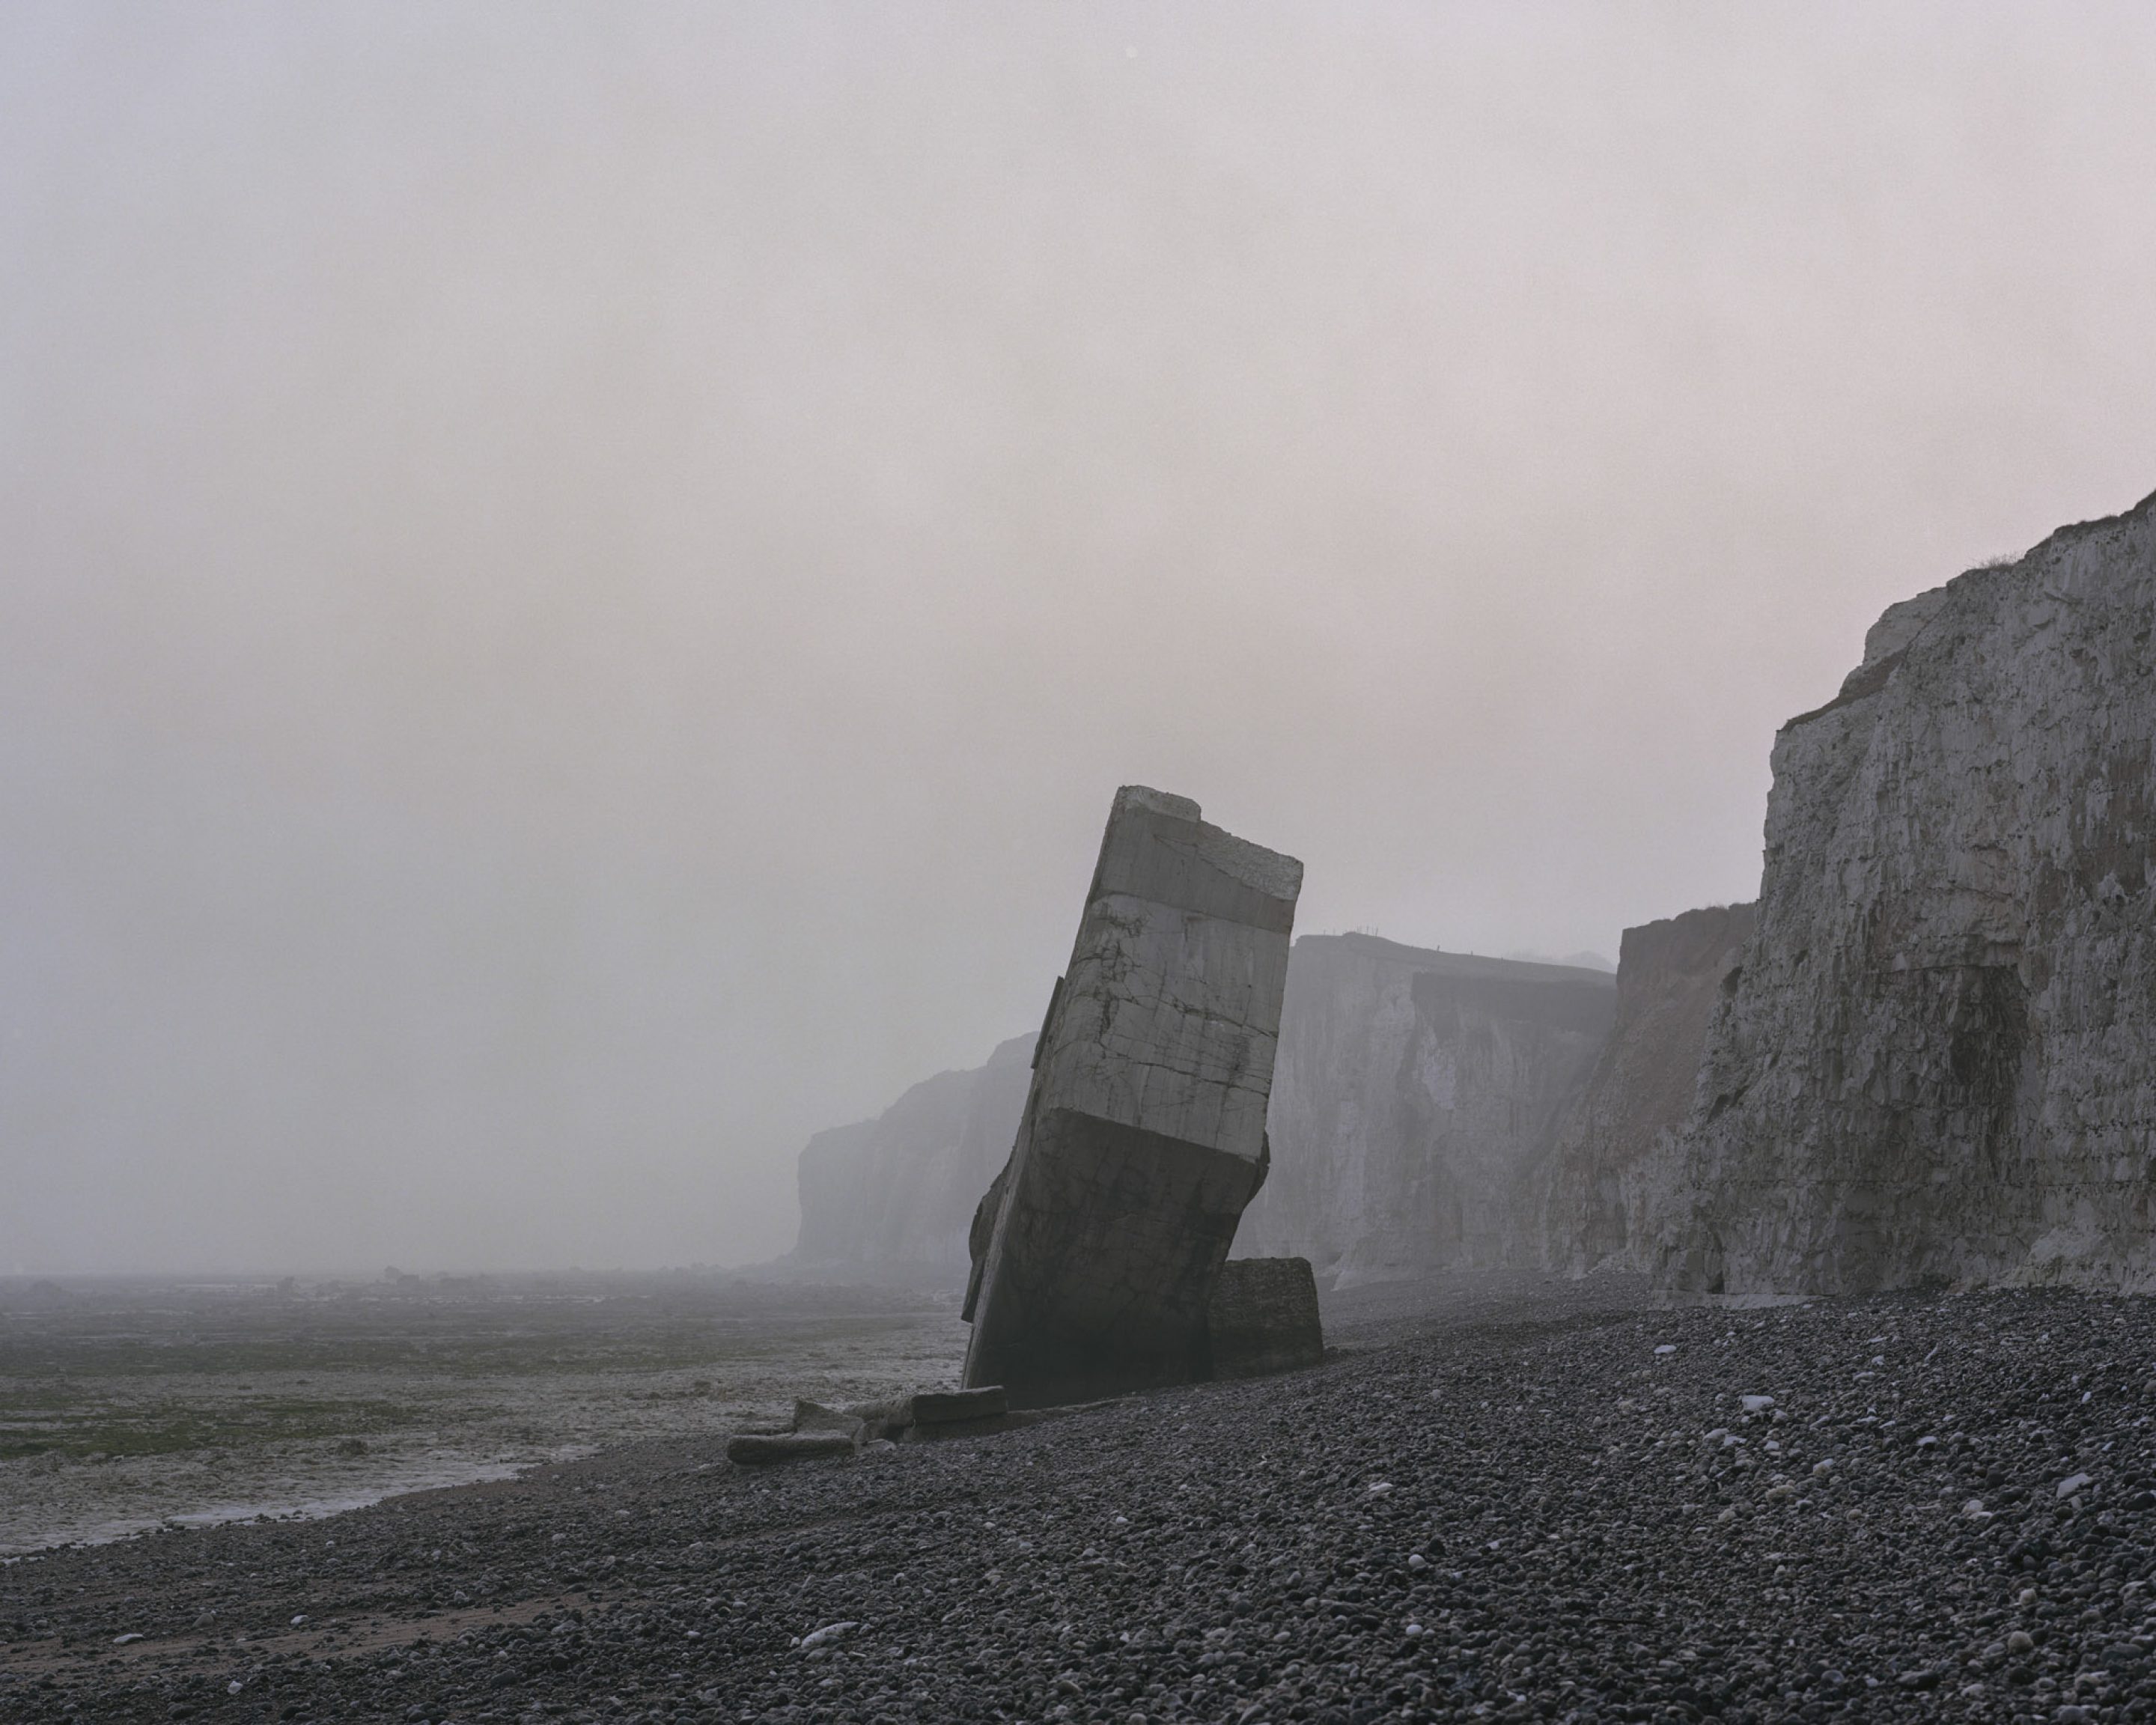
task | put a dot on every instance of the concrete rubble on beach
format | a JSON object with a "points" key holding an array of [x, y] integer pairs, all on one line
{"points": [[1263, 1317], [816, 1430]]}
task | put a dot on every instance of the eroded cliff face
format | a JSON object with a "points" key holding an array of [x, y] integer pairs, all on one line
{"points": [[894, 1195], [1939, 1058], [1412, 1091], [1591, 1203]]}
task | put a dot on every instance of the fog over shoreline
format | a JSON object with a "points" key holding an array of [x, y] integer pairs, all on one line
{"points": [[579, 579]]}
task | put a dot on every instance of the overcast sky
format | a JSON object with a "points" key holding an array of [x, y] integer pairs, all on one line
{"points": [[576, 581]]}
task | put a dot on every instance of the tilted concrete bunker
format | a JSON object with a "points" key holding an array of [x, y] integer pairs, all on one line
{"points": [[1096, 1249]]}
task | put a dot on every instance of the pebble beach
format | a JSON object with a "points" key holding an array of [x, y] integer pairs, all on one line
{"points": [[1498, 1497]]}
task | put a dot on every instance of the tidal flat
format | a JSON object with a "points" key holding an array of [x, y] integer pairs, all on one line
{"points": [[127, 1404]]}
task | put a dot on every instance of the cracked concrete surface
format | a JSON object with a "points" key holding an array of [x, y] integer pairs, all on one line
{"points": [[1144, 1129]]}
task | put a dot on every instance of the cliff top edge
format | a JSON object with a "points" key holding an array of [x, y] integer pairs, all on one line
{"points": [[1461, 964]]}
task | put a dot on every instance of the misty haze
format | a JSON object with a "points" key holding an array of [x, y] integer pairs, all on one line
{"points": [[1077, 862], [577, 586]]}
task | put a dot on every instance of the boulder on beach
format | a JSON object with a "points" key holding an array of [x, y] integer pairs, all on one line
{"points": [[763, 1449]]}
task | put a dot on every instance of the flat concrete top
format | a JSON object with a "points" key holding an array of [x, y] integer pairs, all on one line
{"points": [[1157, 847]]}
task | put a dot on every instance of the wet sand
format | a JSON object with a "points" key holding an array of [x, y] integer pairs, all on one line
{"points": [[126, 1405]]}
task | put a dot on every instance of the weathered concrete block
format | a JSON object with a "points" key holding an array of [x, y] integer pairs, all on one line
{"points": [[945, 1407], [1263, 1317], [815, 1416], [757, 1449], [880, 1419], [1144, 1134]]}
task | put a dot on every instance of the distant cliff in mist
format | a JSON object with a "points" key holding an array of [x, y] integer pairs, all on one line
{"points": [[1412, 1089], [893, 1196], [1431, 1110]]}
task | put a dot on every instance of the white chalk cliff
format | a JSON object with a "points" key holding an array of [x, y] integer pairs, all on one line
{"points": [[1589, 1201], [1412, 1089], [1937, 1059], [1929, 1051]]}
